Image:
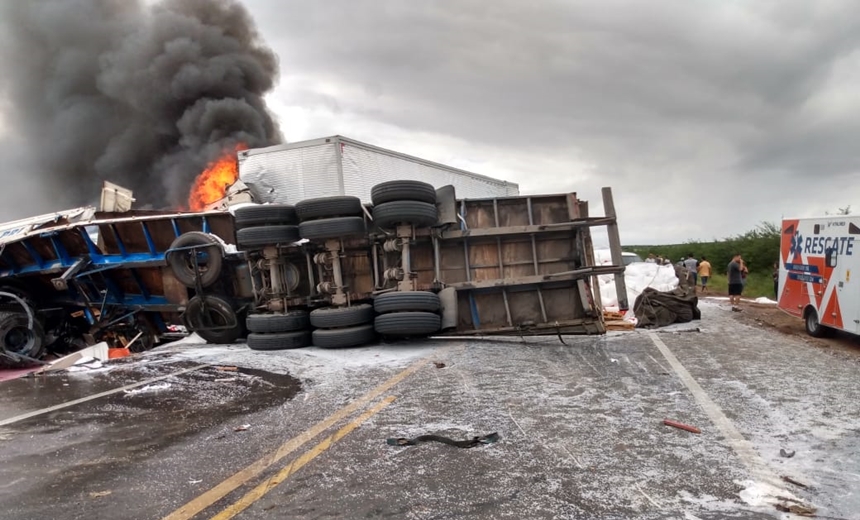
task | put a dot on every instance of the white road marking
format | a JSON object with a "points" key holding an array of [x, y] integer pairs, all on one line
{"points": [[67, 404], [742, 447]]}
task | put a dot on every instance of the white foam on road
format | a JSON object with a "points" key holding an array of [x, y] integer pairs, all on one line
{"points": [[306, 363], [767, 488]]}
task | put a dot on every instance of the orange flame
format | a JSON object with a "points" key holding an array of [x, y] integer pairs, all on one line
{"points": [[211, 185]]}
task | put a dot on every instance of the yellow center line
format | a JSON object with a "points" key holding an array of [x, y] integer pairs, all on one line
{"points": [[218, 492], [270, 483]]}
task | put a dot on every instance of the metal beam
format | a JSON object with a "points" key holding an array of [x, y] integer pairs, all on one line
{"points": [[615, 248], [525, 230], [535, 280]]}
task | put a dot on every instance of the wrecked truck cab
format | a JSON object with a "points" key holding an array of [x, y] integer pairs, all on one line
{"points": [[125, 278]]}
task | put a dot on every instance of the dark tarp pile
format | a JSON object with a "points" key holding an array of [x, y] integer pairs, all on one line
{"points": [[658, 309]]}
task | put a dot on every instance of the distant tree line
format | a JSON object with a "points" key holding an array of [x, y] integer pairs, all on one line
{"points": [[759, 247]]}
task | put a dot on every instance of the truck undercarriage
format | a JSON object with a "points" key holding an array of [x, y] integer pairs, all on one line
{"points": [[331, 272]]}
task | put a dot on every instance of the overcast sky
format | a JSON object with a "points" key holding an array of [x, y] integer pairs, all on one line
{"points": [[704, 117]]}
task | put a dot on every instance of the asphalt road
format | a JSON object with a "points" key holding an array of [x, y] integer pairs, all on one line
{"points": [[301, 434]]}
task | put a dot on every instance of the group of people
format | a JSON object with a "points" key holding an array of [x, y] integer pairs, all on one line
{"points": [[700, 273], [700, 270]]}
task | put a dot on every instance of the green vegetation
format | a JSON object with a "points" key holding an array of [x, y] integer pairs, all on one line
{"points": [[758, 284], [759, 247]]}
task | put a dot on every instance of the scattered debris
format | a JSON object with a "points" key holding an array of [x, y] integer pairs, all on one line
{"points": [[796, 509], [439, 365], [785, 453], [471, 443], [148, 388], [195, 481], [792, 481], [116, 353], [86, 364], [97, 352], [682, 426], [227, 369], [99, 494], [612, 315], [242, 428], [617, 325]]}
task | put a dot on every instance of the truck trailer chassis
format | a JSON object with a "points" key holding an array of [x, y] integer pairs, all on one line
{"points": [[331, 271]]}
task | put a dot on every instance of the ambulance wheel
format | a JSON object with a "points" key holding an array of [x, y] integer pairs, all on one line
{"points": [[813, 326]]}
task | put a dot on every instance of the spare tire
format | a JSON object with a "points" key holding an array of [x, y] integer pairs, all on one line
{"points": [[209, 258], [279, 341], [288, 322], [17, 338], [408, 324], [401, 301], [265, 215], [403, 190], [333, 317], [404, 212], [332, 228], [327, 207], [342, 338], [261, 236], [218, 313]]}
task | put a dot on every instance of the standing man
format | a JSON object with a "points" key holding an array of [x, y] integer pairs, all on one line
{"points": [[691, 264], [736, 282], [704, 272]]}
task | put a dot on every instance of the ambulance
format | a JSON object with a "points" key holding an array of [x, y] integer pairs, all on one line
{"points": [[817, 259]]}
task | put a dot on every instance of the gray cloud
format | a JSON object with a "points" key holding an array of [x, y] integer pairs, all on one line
{"points": [[705, 117], [144, 94]]}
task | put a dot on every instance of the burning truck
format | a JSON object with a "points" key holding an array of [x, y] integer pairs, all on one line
{"points": [[330, 242]]}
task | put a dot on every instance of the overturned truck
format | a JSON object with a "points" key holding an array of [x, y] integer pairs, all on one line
{"points": [[331, 271]]}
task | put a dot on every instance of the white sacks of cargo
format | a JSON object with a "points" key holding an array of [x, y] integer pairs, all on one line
{"points": [[637, 276]]}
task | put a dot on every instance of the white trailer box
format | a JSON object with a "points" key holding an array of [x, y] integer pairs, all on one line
{"points": [[336, 165]]}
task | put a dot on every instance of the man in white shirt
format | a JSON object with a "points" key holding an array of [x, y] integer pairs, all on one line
{"points": [[691, 264]]}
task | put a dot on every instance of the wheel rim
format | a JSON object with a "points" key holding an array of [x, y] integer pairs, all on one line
{"points": [[217, 318], [18, 340], [202, 261], [812, 322]]}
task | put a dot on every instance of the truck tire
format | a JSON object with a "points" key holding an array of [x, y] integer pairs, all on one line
{"points": [[342, 338], [813, 327], [334, 317], [279, 341], [220, 313], [269, 323], [403, 190], [332, 228], [261, 236], [265, 215], [407, 301], [17, 338], [408, 324], [209, 259], [419, 214], [327, 207]]}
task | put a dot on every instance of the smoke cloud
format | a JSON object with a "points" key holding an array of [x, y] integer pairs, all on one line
{"points": [[142, 94]]}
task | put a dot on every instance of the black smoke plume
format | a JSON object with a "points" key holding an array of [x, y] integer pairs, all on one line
{"points": [[141, 94]]}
